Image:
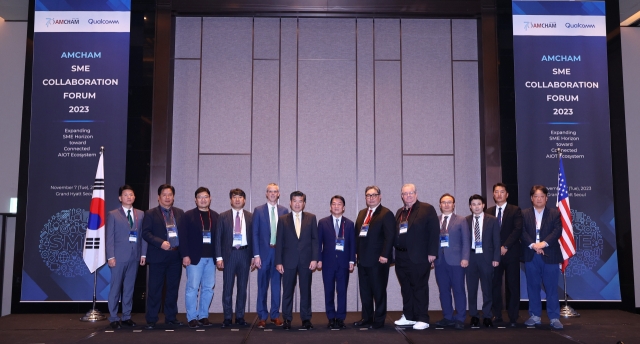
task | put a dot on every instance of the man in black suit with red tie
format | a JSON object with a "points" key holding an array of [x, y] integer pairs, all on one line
{"points": [[297, 257], [510, 220], [374, 230]]}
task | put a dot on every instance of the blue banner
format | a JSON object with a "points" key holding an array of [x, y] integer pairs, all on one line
{"points": [[79, 103], [562, 105]]}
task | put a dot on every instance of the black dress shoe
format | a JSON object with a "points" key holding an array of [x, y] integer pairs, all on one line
{"points": [[226, 323], [150, 326], [459, 325], [174, 323], [475, 321], [306, 324], [445, 322], [241, 322], [362, 323], [129, 323], [115, 325], [497, 319], [376, 326], [487, 322], [332, 323], [340, 324], [286, 325]]}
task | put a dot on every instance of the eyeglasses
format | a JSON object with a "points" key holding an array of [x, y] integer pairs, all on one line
{"points": [[371, 195], [408, 193], [446, 202]]}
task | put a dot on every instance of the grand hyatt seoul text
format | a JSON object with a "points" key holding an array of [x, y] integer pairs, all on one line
{"points": [[80, 82]]}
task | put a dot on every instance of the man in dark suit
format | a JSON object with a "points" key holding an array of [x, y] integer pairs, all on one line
{"points": [[159, 230], [233, 249], [416, 247], [125, 250], [197, 231], [374, 245], [264, 227], [453, 258], [510, 220], [541, 230], [336, 235], [297, 255], [484, 257]]}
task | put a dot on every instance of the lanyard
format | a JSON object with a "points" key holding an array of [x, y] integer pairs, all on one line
{"points": [[406, 218], [201, 221]]}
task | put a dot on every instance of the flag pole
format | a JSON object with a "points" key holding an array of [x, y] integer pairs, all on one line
{"points": [[566, 311], [94, 314]]}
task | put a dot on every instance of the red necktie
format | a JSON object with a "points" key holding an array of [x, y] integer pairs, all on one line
{"points": [[366, 221]]}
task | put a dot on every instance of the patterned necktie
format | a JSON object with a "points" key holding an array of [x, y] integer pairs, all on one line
{"points": [[273, 226], [130, 218], [237, 229], [476, 229], [443, 229], [298, 225], [337, 228], [366, 221], [500, 216]]}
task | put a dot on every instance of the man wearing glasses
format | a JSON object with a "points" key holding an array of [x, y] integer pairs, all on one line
{"points": [[416, 244], [374, 232]]}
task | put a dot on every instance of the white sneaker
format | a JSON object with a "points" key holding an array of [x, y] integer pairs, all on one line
{"points": [[404, 322], [421, 326], [555, 323], [533, 320]]}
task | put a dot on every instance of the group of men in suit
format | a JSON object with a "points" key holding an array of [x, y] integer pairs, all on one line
{"points": [[289, 246]]}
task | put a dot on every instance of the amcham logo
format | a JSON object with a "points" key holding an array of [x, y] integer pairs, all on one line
{"points": [[534, 25], [54, 21]]}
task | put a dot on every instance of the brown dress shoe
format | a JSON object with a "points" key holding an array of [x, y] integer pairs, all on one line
{"points": [[262, 323], [277, 322], [194, 324], [205, 322]]}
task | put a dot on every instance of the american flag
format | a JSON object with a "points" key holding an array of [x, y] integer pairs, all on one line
{"points": [[567, 242]]}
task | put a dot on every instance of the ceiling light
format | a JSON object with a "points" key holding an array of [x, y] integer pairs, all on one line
{"points": [[634, 20]]}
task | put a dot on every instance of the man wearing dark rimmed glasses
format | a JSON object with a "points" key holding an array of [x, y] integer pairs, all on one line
{"points": [[374, 244]]}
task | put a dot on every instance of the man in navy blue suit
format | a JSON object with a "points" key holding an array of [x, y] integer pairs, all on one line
{"points": [[336, 235], [264, 226]]}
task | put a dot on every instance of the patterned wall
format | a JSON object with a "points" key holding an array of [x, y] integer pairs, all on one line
{"points": [[326, 106]]}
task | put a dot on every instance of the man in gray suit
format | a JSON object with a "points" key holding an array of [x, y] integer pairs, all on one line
{"points": [[234, 255], [125, 250], [453, 258], [297, 256], [485, 256]]}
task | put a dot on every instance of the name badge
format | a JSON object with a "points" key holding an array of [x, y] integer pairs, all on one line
{"points": [[133, 236], [172, 232], [444, 241], [237, 239], [363, 230], [340, 244], [478, 247], [206, 237], [403, 227]]}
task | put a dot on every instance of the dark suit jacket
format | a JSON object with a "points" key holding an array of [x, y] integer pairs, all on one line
{"points": [[154, 231], [190, 234], [327, 239], [117, 235], [224, 233], [459, 240], [550, 232], [490, 237], [261, 227], [379, 240], [423, 232], [510, 231], [291, 251]]}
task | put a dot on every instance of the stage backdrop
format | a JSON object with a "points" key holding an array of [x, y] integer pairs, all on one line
{"points": [[326, 106], [79, 103], [562, 105]]}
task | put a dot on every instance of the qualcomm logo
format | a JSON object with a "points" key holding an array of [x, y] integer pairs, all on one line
{"points": [[54, 21], [579, 26], [533, 25], [103, 21]]}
